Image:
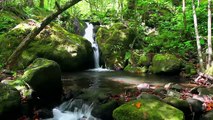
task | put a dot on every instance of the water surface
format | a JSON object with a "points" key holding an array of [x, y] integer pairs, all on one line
{"points": [[113, 81]]}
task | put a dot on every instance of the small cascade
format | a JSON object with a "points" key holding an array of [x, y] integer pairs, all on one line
{"points": [[89, 35], [73, 110]]}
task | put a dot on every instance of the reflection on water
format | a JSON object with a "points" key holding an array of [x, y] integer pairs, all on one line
{"points": [[114, 81]]}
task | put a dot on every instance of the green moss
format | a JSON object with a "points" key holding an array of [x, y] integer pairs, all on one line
{"points": [[102, 35], [118, 26], [9, 41], [182, 105], [104, 111], [44, 77], [9, 100], [149, 110], [189, 69], [144, 60], [114, 42], [165, 63], [71, 51], [138, 70]]}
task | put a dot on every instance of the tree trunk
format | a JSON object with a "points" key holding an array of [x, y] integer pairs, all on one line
{"points": [[209, 36], [41, 4], [184, 14], [197, 37], [30, 37], [198, 3]]}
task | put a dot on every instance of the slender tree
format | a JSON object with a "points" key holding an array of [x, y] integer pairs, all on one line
{"points": [[197, 37], [198, 3], [209, 36], [18, 51], [41, 4], [184, 13]]}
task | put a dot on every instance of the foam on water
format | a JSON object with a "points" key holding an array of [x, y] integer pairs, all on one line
{"points": [[100, 69], [73, 110]]}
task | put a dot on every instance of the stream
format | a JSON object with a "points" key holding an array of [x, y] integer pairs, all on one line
{"points": [[113, 81], [87, 86], [95, 83]]}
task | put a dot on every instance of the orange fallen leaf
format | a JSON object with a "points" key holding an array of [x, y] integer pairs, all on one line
{"points": [[138, 104], [209, 106]]}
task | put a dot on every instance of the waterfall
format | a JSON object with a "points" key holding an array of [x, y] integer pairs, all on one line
{"points": [[89, 35]]}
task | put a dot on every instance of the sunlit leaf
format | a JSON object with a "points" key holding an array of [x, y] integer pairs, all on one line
{"points": [[202, 41]]}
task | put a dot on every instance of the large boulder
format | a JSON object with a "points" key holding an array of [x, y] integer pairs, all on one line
{"points": [[70, 51], [165, 63], [207, 116], [147, 109], [10, 101], [104, 110], [44, 77], [182, 105], [114, 43]]}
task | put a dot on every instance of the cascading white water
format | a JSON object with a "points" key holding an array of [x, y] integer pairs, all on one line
{"points": [[73, 110], [89, 35]]}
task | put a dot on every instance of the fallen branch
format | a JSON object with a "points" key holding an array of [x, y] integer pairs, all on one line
{"points": [[30, 37]]}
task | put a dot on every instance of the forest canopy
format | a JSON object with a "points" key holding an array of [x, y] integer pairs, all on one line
{"points": [[157, 26]]}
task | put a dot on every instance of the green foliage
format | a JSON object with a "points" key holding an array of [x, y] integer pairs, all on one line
{"points": [[170, 34], [36, 12], [127, 55], [7, 21], [164, 17]]}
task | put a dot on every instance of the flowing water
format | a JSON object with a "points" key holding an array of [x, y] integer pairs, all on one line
{"points": [[110, 82], [113, 81], [73, 110], [89, 35], [100, 81]]}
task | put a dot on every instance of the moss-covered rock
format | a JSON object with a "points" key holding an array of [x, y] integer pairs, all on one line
{"points": [[189, 69], [205, 91], [133, 69], [165, 63], [207, 116], [149, 109], [104, 111], [21, 86], [144, 95], [10, 101], [182, 105], [144, 60], [114, 42], [44, 76], [71, 52], [137, 61]]}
